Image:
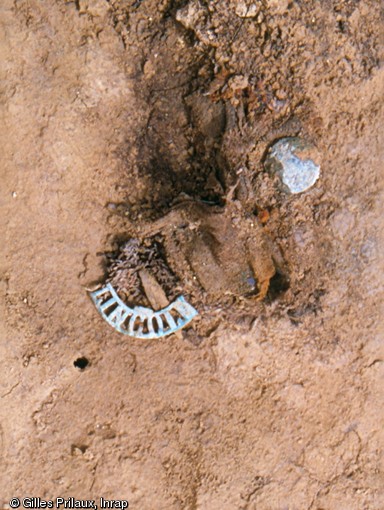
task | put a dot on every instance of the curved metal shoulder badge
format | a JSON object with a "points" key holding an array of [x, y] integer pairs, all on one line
{"points": [[142, 322]]}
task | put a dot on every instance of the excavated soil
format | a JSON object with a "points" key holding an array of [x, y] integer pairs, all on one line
{"points": [[112, 111]]}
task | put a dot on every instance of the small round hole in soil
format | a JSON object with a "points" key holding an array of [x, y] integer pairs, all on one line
{"points": [[278, 285], [81, 363]]}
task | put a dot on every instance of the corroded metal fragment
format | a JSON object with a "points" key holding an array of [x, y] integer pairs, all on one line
{"points": [[294, 160], [142, 322]]}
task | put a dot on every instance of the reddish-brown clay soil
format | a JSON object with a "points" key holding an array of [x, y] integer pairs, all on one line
{"points": [[110, 111]]}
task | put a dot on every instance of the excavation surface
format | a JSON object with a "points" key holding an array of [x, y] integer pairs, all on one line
{"points": [[113, 112]]}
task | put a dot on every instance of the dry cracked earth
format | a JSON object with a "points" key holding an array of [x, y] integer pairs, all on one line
{"points": [[111, 110]]}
